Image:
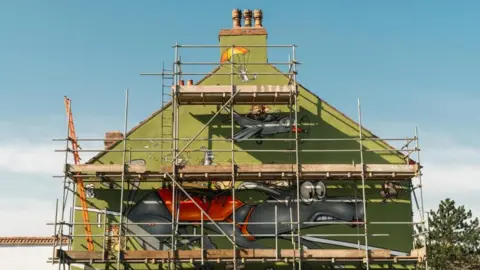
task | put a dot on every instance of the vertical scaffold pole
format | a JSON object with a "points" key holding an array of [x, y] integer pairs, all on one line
{"points": [[360, 128], [54, 232], [232, 126], [72, 216], [104, 240], [297, 165], [420, 185], [174, 151], [162, 116], [122, 187], [70, 228], [201, 240], [64, 197], [426, 233], [276, 232]]}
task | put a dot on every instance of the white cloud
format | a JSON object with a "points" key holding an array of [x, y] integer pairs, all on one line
{"points": [[25, 157], [29, 168], [451, 166], [26, 216], [30, 165], [452, 170], [29, 158]]}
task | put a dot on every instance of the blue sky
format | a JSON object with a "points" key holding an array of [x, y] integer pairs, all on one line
{"points": [[412, 63]]}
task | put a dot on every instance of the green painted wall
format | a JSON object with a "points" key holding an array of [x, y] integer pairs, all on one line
{"points": [[325, 122]]}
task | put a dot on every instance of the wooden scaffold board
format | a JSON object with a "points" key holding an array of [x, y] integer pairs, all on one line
{"points": [[379, 255], [219, 94], [253, 172]]}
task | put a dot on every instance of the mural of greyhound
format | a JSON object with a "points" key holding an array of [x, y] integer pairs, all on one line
{"points": [[279, 205], [270, 126]]}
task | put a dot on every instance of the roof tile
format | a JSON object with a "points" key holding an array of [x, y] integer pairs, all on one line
{"points": [[29, 241]]}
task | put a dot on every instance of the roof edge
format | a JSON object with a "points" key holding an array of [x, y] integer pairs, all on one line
{"points": [[137, 126], [102, 153], [349, 118]]}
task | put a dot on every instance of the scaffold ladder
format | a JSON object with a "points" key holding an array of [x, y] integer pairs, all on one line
{"points": [[166, 122], [80, 184]]}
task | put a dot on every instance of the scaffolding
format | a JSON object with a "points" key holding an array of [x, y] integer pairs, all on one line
{"points": [[179, 175]]}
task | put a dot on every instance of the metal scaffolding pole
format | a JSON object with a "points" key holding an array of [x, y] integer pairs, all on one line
{"points": [[297, 161], [232, 126], [360, 129], [72, 214], [65, 191], [407, 139], [176, 79], [420, 184], [229, 46], [252, 150], [422, 209], [122, 187]]}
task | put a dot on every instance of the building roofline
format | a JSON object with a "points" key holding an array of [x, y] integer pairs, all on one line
{"points": [[347, 117], [102, 153], [30, 241], [111, 146]]}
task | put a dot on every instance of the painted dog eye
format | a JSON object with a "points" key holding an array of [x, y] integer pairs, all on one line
{"points": [[307, 191], [321, 190]]}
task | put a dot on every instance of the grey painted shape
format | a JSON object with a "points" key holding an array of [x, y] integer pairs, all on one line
{"points": [[317, 210], [150, 209], [251, 127]]}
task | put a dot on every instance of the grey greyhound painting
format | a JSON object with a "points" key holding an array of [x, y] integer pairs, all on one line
{"points": [[278, 205], [258, 124]]}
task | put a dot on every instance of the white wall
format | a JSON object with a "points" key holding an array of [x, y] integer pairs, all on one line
{"points": [[28, 258]]}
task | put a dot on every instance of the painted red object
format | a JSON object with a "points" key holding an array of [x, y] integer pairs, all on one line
{"points": [[218, 208], [297, 129]]}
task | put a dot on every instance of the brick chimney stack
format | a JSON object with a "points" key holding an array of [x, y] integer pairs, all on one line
{"points": [[251, 32], [112, 137]]}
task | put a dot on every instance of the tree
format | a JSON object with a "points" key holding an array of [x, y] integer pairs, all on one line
{"points": [[452, 238]]}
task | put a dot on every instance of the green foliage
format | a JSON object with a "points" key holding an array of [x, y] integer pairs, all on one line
{"points": [[453, 238]]}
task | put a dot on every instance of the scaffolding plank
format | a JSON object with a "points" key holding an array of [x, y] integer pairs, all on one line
{"points": [[79, 255], [201, 169], [266, 168], [335, 168], [106, 168], [248, 94], [257, 172], [227, 254]]}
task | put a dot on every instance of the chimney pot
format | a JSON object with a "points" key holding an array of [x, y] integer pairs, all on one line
{"points": [[258, 16], [190, 82], [112, 137], [236, 17], [182, 82], [247, 15]]}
